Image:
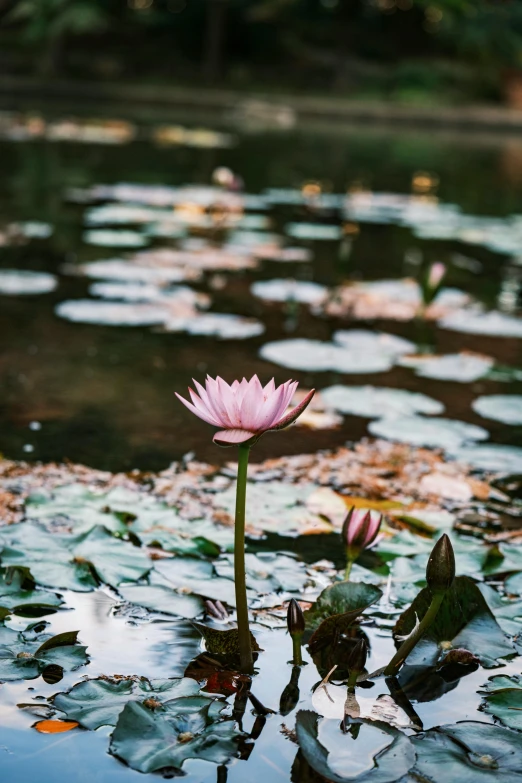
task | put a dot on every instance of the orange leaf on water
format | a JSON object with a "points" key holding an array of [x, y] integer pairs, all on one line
{"points": [[374, 505], [55, 726]]}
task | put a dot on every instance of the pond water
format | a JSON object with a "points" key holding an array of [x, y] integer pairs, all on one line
{"points": [[103, 394], [131, 261]]}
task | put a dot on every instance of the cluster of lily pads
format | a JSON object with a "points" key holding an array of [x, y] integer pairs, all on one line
{"points": [[148, 554]]}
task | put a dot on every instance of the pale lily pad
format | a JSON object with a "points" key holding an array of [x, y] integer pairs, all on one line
{"points": [[376, 402], [507, 613], [492, 456], [22, 282], [25, 654], [149, 739], [356, 351], [198, 577], [114, 238], [503, 699], [462, 367], [506, 408], [33, 229], [123, 214], [470, 752], [267, 572], [19, 596], [225, 326], [493, 324], [380, 754], [434, 433], [286, 290], [114, 269], [314, 231], [127, 292], [95, 703], [105, 313]]}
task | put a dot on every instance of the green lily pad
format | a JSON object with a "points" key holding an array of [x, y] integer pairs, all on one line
{"points": [[160, 598], [464, 620], [71, 562], [25, 654], [19, 596], [198, 577], [507, 613], [504, 699], [346, 600], [470, 752], [95, 703], [149, 740], [382, 753], [267, 572]]}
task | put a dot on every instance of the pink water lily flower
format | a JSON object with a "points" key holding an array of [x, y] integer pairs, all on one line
{"points": [[360, 529], [244, 410]]}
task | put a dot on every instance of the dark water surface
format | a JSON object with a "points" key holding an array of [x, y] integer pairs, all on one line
{"points": [[104, 395]]}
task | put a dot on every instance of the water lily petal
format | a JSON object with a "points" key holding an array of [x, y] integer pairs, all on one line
{"points": [[198, 413], [294, 413], [232, 437]]}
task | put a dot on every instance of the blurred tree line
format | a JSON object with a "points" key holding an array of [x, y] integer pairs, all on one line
{"points": [[398, 49]]}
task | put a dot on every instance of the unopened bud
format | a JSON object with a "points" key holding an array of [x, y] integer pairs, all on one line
{"points": [[440, 571], [356, 660], [295, 619], [360, 529]]}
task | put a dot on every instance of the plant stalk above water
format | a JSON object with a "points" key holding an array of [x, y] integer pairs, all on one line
{"points": [[245, 646], [415, 636]]}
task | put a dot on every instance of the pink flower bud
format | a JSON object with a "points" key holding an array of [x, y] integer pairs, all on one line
{"points": [[360, 529]]}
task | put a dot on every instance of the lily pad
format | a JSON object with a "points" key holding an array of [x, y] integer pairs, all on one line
{"points": [[160, 598], [503, 699], [150, 740], [508, 614], [19, 596], [346, 600], [105, 313], [289, 291], [22, 282], [377, 402], [380, 754], [357, 351], [462, 367], [314, 231], [493, 324], [435, 433], [506, 408], [95, 703], [464, 620], [470, 752], [114, 238], [114, 269], [225, 326], [25, 654], [492, 456], [71, 562]]}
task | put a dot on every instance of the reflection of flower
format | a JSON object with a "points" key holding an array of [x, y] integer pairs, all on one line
{"points": [[245, 410]]}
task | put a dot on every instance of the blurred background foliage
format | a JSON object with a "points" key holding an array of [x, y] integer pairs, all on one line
{"points": [[401, 50]]}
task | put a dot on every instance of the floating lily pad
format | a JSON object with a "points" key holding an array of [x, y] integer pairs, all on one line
{"points": [[493, 324], [25, 654], [71, 561], [19, 596], [289, 291], [149, 740], [22, 282], [504, 699], [435, 433], [114, 238], [127, 292], [222, 325], [33, 229], [464, 620], [267, 572], [506, 408], [95, 703], [469, 752], [123, 214], [462, 367], [379, 754], [159, 598], [377, 402], [114, 269], [492, 456], [356, 351], [346, 600], [508, 614], [314, 231], [92, 311], [198, 577]]}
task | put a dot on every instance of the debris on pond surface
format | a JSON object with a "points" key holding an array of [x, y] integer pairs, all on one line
{"points": [[399, 300], [21, 282]]}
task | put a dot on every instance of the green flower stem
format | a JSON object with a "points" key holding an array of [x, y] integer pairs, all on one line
{"points": [[409, 643], [296, 645], [245, 646], [348, 569], [352, 680]]}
